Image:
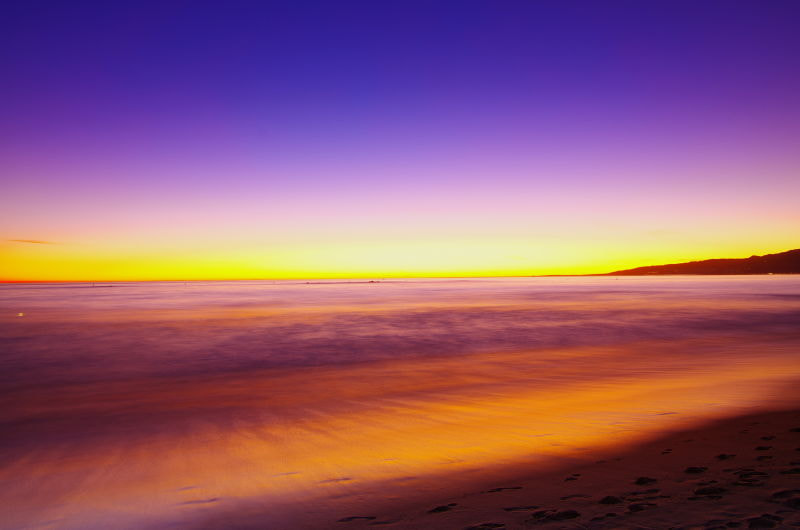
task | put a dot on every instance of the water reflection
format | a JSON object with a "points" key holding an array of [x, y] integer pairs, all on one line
{"points": [[161, 404]]}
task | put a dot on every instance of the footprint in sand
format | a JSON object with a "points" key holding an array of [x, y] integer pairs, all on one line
{"points": [[794, 504], [356, 518], [789, 498], [641, 506], [752, 482], [750, 477], [610, 499], [764, 521], [601, 517], [575, 496], [750, 473], [645, 492], [695, 469], [785, 494], [443, 508], [708, 493], [547, 516]]}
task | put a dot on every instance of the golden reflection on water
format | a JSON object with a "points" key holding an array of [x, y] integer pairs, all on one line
{"points": [[306, 434]]}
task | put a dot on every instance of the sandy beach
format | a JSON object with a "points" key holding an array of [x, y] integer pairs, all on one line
{"points": [[737, 472]]}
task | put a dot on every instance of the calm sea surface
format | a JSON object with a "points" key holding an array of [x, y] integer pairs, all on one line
{"points": [[291, 404]]}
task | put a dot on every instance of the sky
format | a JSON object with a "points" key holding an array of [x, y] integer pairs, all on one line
{"points": [[237, 140]]}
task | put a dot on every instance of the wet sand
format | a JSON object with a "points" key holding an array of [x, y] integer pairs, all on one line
{"points": [[738, 472]]}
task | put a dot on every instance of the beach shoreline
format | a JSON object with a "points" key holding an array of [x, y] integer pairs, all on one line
{"points": [[741, 471], [271, 406]]}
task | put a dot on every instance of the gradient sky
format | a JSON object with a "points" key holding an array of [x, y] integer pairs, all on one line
{"points": [[198, 140]]}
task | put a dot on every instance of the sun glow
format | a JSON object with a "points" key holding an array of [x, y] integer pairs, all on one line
{"points": [[369, 259]]}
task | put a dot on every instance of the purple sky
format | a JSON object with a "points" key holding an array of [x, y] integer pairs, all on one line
{"points": [[296, 139]]}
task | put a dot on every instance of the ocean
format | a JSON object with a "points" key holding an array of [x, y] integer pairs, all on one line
{"points": [[289, 404]]}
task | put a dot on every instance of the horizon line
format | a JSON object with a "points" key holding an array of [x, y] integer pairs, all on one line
{"points": [[352, 279], [389, 278]]}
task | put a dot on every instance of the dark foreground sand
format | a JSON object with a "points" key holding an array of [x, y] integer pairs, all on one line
{"points": [[742, 472]]}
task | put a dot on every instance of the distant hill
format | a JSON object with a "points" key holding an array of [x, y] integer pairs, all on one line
{"points": [[783, 263]]}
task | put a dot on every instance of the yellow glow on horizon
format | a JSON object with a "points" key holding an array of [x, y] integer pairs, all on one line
{"points": [[364, 259]]}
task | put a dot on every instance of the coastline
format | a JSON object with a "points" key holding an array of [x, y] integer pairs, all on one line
{"points": [[278, 407], [682, 480]]}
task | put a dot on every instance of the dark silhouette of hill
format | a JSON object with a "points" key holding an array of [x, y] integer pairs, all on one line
{"points": [[782, 263]]}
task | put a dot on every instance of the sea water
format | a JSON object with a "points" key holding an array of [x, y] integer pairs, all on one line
{"points": [[277, 404]]}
